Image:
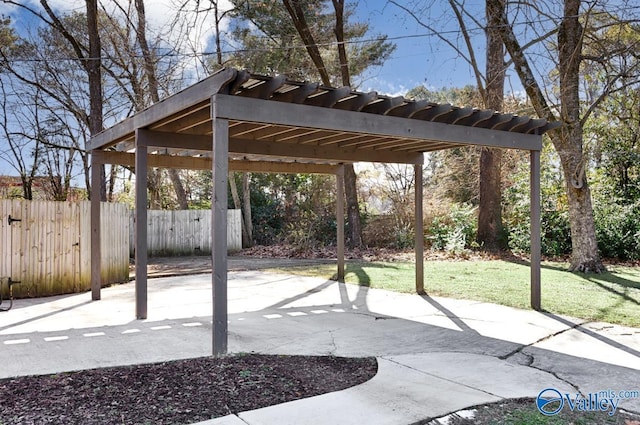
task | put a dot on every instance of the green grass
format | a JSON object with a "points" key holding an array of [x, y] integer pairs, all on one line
{"points": [[524, 412], [612, 297]]}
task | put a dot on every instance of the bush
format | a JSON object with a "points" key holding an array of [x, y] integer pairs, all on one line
{"points": [[267, 216], [312, 230], [379, 231], [618, 229], [554, 215], [555, 238], [453, 231]]}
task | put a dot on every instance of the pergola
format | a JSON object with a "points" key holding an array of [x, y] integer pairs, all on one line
{"points": [[236, 120]]}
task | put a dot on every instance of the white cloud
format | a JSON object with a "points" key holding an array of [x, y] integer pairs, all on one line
{"points": [[178, 23], [385, 87]]}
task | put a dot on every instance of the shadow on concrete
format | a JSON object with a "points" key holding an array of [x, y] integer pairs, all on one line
{"points": [[449, 314], [579, 327], [43, 316]]}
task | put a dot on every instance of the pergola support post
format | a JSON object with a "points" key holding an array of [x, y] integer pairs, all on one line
{"points": [[220, 173], [340, 221], [419, 229], [96, 254], [535, 230], [141, 257]]}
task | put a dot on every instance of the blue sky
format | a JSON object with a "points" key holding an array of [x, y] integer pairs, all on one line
{"points": [[420, 57]]}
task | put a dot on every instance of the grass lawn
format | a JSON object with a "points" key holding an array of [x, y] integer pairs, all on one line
{"points": [[524, 412], [612, 297]]}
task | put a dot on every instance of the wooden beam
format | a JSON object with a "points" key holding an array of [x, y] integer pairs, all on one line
{"points": [[256, 110], [192, 142], [189, 118], [327, 153], [329, 98], [193, 95], [419, 230], [160, 161], [141, 256], [219, 233], [534, 201], [204, 163], [282, 167], [340, 222], [96, 255]]}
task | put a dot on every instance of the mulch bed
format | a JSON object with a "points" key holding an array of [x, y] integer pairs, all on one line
{"points": [[178, 392]]}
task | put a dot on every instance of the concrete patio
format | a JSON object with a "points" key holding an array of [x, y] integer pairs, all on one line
{"points": [[435, 355]]}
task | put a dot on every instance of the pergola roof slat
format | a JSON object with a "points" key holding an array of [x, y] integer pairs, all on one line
{"points": [[303, 115]]}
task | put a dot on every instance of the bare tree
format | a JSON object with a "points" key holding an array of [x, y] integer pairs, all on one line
{"points": [[350, 178], [490, 234], [302, 27], [22, 151], [490, 85], [152, 84], [569, 56], [88, 56]]}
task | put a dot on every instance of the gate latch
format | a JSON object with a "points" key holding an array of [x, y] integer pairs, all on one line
{"points": [[11, 219]]}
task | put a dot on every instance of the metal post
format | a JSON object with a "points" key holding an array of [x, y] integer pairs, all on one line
{"points": [[535, 231], [419, 230], [220, 169], [96, 278], [340, 221], [141, 225]]}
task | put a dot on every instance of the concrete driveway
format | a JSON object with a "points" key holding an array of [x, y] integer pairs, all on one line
{"points": [[436, 355]]}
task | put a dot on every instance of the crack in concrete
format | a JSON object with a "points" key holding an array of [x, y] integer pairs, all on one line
{"points": [[240, 418], [531, 358], [544, 338], [333, 351], [554, 374], [441, 377]]}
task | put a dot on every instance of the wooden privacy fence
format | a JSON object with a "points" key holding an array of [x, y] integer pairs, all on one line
{"points": [[185, 232], [46, 245]]}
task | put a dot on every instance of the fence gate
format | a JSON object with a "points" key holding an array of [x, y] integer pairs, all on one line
{"points": [[46, 246], [42, 242]]}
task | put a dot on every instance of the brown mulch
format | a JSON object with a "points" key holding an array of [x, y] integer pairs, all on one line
{"points": [[178, 392], [392, 255], [367, 254]]}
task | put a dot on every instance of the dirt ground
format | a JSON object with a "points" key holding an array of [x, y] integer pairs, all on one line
{"points": [[172, 266]]}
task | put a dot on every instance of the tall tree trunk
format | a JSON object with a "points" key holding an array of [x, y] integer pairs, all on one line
{"points": [[93, 66], [178, 187], [568, 139], [302, 27], [584, 256], [354, 238], [246, 240], [338, 6], [353, 209], [152, 81], [112, 182], [246, 205], [491, 235], [154, 177]]}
